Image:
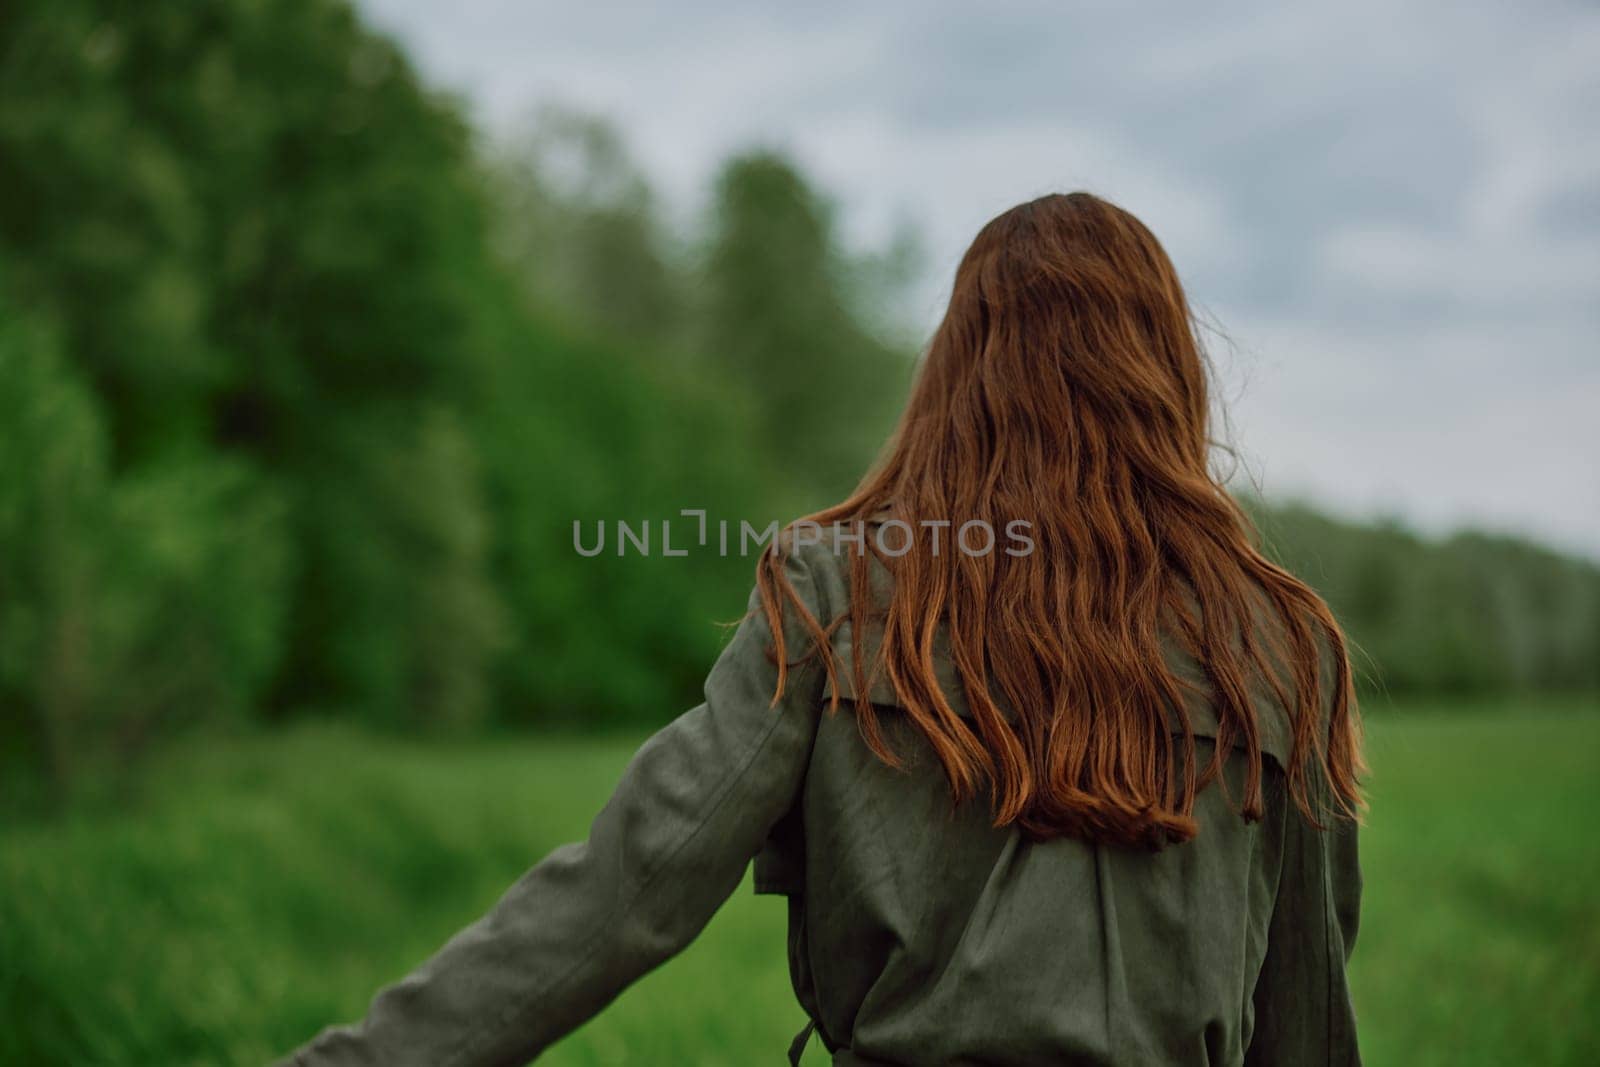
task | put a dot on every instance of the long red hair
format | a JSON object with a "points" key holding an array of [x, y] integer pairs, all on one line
{"points": [[1066, 387]]}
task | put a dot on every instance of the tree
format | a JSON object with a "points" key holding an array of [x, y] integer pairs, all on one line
{"points": [[778, 319]]}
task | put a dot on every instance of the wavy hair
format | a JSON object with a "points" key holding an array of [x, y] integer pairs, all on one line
{"points": [[1066, 386]]}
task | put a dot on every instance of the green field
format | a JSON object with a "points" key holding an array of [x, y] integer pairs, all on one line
{"points": [[245, 893]]}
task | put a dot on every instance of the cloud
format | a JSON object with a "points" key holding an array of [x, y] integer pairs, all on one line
{"points": [[1464, 433], [1487, 275]]}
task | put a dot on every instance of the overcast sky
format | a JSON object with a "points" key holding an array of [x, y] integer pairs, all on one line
{"points": [[1393, 209]]}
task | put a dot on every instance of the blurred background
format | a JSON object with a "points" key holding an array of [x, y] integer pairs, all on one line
{"points": [[321, 323]]}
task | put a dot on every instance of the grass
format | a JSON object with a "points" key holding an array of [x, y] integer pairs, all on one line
{"points": [[253, 890]]}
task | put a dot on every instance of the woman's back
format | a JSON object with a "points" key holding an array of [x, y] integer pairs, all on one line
{"points": [[921, 933]]}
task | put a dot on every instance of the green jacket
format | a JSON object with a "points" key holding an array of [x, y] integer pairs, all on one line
{"points": [[918, 933]]}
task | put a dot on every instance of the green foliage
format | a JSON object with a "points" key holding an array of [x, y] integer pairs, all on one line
{"points": [[191, 601], [779, 320], [575, 223], [278, 882], [127, 605], [261, 240], [52, 501], [1470, 614], [612, 638], [397, 606]]}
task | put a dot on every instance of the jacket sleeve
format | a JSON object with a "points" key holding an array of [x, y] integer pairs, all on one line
{"points": [[671, 844], [1303, 1012]]}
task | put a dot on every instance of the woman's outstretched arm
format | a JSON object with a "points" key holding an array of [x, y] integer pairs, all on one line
{"points": [[668, 848]]}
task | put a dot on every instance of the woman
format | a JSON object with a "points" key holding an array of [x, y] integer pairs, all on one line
{"points": [[1087, 796]]}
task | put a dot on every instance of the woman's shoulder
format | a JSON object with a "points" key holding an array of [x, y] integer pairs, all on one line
{"points": [[823, 553]]}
